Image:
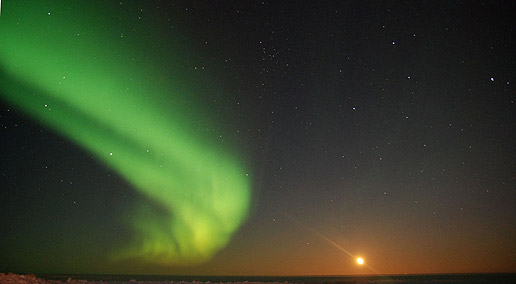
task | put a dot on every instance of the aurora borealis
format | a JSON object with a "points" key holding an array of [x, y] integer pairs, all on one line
{"points": [[115, 110], [257, 137]]}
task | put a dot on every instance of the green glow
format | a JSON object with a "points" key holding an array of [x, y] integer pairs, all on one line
{"points": [[76, 74]]}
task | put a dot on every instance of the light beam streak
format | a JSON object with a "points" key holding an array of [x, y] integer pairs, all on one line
{"points": [[328, 240]]}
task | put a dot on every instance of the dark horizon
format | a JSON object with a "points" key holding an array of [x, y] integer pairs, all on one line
{"points": [[277, 278], [445, 279]]}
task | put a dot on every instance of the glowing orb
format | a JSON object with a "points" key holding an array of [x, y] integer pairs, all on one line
{"points": [[360, 261]]}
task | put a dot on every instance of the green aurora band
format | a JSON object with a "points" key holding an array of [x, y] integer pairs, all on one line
{"points": [[67, 68]]}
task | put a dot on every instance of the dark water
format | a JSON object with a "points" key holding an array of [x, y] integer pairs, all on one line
{"points": [[406, 279]]}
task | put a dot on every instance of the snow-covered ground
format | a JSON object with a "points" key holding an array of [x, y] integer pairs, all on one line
{"points": [[32, 279]]}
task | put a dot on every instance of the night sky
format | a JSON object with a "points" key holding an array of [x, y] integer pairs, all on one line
{"points": [[257, 137]]}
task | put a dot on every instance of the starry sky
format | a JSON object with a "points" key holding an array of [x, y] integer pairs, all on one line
{"points": [[257, 137]]}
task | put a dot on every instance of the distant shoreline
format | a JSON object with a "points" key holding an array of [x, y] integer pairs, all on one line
{"points": [[188, 279]]}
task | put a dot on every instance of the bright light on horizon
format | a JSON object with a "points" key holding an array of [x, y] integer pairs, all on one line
{"points": [[360, 260]]}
